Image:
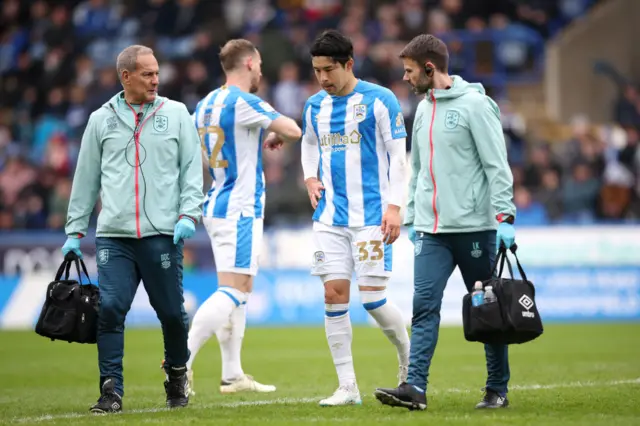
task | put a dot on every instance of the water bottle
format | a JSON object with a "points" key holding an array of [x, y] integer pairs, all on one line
{"points": [[489, 295], [477, 295]]}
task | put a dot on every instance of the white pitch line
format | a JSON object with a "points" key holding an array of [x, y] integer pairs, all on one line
{"points": [[286, 401], [550, 386], [277, 401]]}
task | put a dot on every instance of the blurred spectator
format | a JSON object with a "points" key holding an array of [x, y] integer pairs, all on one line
{"points": [[196, 84], [58, 203], [363, 67], [6, 220], [15, 176], [615, 199], [515, 129], [550, 194], [56, 67], [627, 111], [579, 195], [287, 92], [77, 110], [529, 211], [93, 18], [540, 161], [628, 156]]}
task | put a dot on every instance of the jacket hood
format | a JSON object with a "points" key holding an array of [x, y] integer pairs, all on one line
{"points": [[458, 88]]}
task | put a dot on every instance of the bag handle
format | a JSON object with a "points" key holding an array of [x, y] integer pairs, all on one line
{"points": [[79, 263], [63, 269], [502, 256], [66, 266], [513, 249]]}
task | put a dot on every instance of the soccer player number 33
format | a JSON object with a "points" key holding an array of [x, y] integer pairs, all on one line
{"points": [[214, 163], [370, 250]]}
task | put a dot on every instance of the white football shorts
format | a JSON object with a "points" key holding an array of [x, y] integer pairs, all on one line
{"points": [[236, 243], [343, 250]]}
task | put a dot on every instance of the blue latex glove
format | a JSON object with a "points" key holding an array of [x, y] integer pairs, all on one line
{"points": [[507, 234], [72, 244], [185, 228], [412, 234]]}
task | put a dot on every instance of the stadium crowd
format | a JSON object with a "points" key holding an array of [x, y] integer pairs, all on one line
{"points": [[57, 66]]}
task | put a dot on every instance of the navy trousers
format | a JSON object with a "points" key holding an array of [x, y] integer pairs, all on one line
{"points": [[122, 263], [436, 256]]}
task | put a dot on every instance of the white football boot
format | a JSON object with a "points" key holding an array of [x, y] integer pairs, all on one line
{"points": [[190, 390], [344, 395], [244, 383]]}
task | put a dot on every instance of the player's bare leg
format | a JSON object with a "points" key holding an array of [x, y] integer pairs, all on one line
{"points": [[339, 337]]}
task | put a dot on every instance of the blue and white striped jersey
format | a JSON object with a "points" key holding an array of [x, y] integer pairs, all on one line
{"points": [[231, 124], [351, 133]]}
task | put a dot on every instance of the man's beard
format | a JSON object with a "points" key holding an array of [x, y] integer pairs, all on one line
{"points": [[423, 85], [255, 85]]}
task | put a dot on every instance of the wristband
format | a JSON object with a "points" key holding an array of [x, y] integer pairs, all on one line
{"points": [[507, 218]]}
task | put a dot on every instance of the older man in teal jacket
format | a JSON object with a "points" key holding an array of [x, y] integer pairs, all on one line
{"points": [[460, 208], [141, 153]]}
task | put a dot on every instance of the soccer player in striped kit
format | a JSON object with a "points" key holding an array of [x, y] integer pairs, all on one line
{"points": [[231, 121], [353, 157]]}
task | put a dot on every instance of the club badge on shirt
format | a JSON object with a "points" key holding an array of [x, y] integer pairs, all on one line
{"points": [[359, 112]]}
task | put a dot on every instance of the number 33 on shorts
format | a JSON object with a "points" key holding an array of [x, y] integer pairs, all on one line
{"points": [[370, 251]]}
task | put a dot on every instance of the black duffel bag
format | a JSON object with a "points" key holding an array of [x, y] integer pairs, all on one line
{"points": [[70, 310], [513, 318]]}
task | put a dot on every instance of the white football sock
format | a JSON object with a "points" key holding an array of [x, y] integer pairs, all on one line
{"points": [[389, 318], [230, 338], [337, 324], [213, 314]]}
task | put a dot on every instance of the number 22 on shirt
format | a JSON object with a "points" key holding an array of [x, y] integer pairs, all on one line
{"points": [[216, 131]]}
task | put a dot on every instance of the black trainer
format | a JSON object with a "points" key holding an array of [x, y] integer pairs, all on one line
{"points": [[109, 401], [405, 395], [493, 399], [176, 386]]}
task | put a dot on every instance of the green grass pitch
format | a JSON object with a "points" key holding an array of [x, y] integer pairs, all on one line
{"points": [[583, 374]]}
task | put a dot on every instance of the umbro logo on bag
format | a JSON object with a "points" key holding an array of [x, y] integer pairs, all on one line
{"points": [[526, 302]]}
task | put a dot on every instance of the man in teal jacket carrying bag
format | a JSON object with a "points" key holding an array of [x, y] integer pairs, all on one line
{"points": [[141, 153], [460, 209]]}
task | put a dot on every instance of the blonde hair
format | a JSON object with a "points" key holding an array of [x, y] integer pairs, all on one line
{"points": [[234, 51]]}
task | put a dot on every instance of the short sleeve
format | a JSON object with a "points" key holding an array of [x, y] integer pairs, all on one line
{"points": [[251, 111], [390, 118]]}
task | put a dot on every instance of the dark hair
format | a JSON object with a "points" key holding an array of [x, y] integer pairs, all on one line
{"points": [[426, 47], [233, 51], [334, 45]]}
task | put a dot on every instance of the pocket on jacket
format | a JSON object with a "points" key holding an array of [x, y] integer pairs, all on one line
{"points": [[462, 195], [457, 204]]}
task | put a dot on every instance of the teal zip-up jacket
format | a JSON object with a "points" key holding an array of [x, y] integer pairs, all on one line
{"points": [[146, 182], [461, 180]]}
